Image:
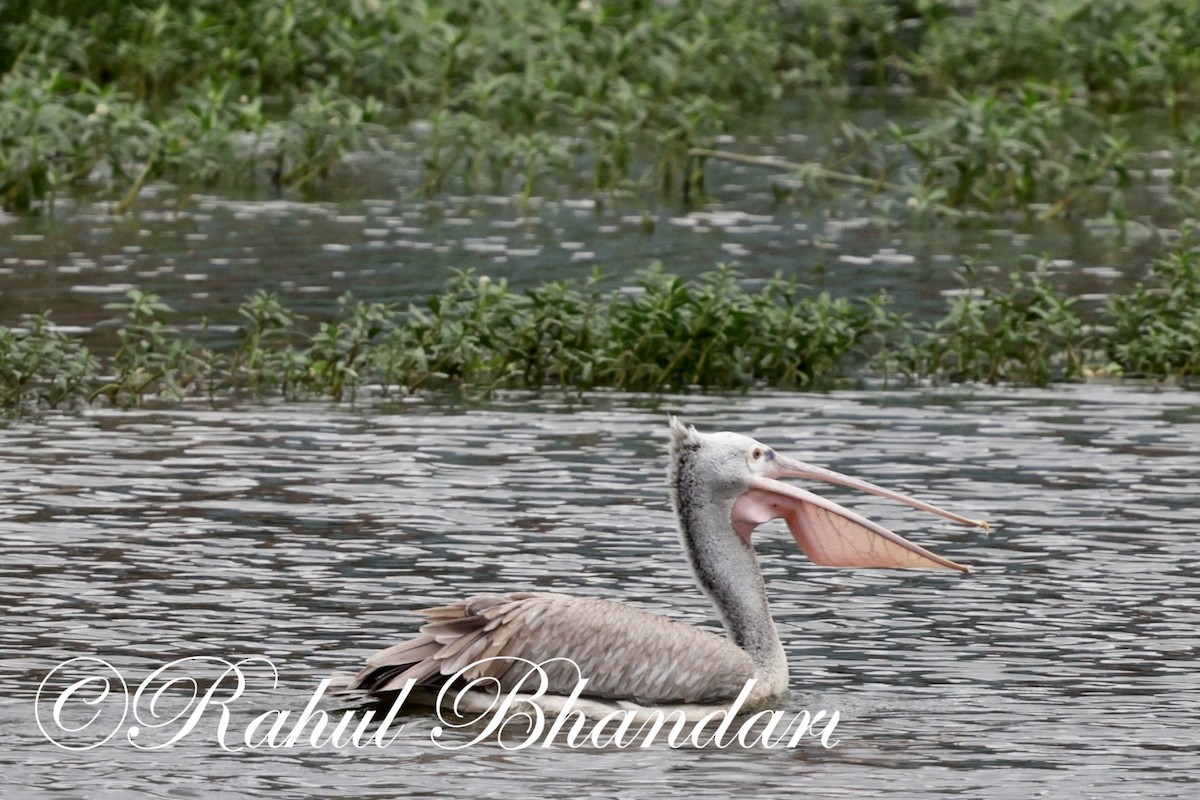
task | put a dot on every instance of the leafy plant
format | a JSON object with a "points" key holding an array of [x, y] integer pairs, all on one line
{"points": [[660, 333], [152, 360], [1156, 329], [1028, 333], [339, 353], [42, 367]]}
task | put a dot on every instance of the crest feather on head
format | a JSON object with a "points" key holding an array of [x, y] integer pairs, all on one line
{"points": [[680, 433]]}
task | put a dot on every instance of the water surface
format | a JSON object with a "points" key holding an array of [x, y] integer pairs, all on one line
{"points": [[375, 235], [1063, 666]]}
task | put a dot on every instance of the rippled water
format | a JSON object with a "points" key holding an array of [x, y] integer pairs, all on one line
{"points": [[204, 255], [1064, 666]]}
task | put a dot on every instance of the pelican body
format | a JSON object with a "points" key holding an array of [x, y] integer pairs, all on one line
{"points": [[723, 486]]}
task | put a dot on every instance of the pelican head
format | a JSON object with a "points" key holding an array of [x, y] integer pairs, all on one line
{"points": [[725, 462], [732, 470]]}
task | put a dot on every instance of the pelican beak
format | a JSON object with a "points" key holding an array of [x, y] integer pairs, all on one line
{"points": [[828, 533]]}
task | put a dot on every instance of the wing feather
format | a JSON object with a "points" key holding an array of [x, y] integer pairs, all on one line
{"points": [[624, 652]]}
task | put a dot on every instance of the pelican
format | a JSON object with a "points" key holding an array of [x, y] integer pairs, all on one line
{"points": [[723, 486]]}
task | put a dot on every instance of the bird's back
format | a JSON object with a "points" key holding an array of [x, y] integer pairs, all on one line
{"points": [[623, 652]]}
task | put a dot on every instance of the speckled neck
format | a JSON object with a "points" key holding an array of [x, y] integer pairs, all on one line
{"points": [[724, 564]]}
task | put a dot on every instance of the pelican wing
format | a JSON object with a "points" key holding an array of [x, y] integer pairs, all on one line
{"points": [[624, 653]]}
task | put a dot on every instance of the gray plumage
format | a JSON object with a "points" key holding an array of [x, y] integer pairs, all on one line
{"points": [[723, 485], [624, 652]]}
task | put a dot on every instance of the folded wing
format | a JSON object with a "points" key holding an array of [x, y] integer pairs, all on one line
{"points": [[624, 652]]}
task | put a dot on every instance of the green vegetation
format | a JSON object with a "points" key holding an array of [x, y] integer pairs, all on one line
{"points": [[1022, 99], [1042, 111], [217, 90], [1156, 330], [662, 334], [1028, 333], [665, 334]]}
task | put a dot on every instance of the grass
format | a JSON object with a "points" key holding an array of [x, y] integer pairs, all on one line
{"points": [[660, 333]]}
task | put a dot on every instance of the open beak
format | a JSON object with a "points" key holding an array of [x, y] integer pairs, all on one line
{"points": [[828, 533]]}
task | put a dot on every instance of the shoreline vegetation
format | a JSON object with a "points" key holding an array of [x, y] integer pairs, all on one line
{"points": [[663, 333], [1028, 105], [1030, 112]]}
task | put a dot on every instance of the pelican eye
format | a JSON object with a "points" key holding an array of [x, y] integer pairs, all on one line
{"points": [[756, 454]]}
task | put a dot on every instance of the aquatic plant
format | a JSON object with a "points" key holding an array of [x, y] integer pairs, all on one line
{"points": [[1120, 54], [1037, 151], [266, 360], [659, 333], [42, 366], [241, 89], [1156, 328], [663, 333], [1028, 333], [338, 358], [1002, 152], [153, 359], [105, 96]]}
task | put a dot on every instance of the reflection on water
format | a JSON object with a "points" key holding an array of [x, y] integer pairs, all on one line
{"points": [[1064, 665]]}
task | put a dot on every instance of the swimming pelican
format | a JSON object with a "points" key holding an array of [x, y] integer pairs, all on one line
{"points": [[723, 486]]}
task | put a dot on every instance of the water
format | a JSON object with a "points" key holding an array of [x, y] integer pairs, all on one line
{"points": [[1064, 666], [203, 254], [311, 535]]}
